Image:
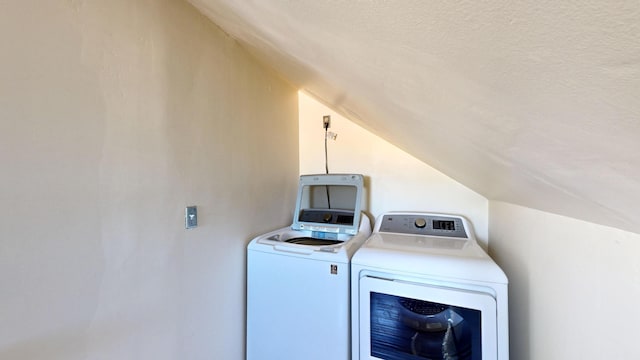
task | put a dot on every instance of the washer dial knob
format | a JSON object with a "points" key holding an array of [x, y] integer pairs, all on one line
{"points": [[420, 223]]}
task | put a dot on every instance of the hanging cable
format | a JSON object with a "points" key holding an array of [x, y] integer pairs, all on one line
{"points": [[326, 159]]}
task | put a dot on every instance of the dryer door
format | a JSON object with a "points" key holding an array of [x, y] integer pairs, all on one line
{"points": [[404, 320]]}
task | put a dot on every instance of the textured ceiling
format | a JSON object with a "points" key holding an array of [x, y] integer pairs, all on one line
{"points": [[535, 103]]}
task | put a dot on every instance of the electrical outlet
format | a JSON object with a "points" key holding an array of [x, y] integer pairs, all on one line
{"points": [[326, 121], [191, 217]]}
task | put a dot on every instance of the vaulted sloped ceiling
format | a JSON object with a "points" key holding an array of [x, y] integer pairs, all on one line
{"points": [[535, 103]]}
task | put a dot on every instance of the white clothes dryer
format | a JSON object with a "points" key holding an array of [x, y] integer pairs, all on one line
{"points": [[422, 288], [298, 277]]}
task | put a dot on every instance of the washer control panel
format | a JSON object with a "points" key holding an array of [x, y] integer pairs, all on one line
{"points": [[423, 224]]}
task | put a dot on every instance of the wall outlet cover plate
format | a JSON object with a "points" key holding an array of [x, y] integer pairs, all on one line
{"points": [[191, 217]]}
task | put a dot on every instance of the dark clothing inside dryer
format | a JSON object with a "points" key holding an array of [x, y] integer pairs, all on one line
{"points": [[413, 329], [312, 241]]}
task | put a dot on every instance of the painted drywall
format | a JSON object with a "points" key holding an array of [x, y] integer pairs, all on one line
{"points": [[574, 286], [395, 180], [114, 116]]}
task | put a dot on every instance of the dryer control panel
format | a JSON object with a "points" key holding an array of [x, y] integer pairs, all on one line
{"points": [[423, 224]]}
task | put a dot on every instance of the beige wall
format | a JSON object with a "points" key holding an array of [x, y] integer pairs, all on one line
{"points": [[574, 286], [395, 180], [115, 115]]}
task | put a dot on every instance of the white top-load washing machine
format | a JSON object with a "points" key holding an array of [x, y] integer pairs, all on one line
{"points": [[422, 288], [298, 294]]}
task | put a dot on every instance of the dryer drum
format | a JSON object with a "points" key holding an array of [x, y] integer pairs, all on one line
{"points": [[452, 344], [405, 328], [427, 316], [438, 335]]}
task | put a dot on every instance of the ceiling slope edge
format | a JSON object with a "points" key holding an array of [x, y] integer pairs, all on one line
{"points": [[517, 154]]}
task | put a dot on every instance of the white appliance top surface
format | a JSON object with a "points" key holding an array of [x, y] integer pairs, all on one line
{"points": [[342, 250], [404, 242], [425, 245]]}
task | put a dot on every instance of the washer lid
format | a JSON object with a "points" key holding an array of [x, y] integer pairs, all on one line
{"points": [[329, 203]]}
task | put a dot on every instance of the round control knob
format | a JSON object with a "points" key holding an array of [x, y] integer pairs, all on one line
{"points": [[326, 218], [420, 223]]}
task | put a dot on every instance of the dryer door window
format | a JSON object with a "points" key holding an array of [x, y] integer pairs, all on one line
{"points": [[409, 321]]}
